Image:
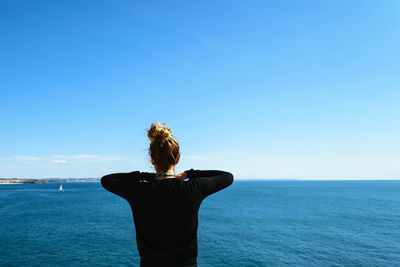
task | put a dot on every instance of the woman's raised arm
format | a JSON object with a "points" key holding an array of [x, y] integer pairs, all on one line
{"points": [[211, 181], [120, 183]]}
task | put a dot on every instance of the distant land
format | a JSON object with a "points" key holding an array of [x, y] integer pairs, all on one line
{"points": [[46, 180]]}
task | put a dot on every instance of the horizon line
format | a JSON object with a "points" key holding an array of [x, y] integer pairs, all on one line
{"points": [[236, 179]]}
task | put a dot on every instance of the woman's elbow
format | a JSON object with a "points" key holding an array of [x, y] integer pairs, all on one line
{"points": [[229, 178], [105, 181]]}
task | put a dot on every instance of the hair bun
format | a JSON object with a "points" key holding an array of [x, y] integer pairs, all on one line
{"points": [[158, 132]]}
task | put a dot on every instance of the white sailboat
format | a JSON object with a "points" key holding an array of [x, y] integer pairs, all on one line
{"points": [[61, 189]]}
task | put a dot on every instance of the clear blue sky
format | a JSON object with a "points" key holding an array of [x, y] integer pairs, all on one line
{"points": [[263, 89]]}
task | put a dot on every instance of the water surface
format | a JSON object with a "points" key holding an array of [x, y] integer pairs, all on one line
{"points": [[251, 223]]}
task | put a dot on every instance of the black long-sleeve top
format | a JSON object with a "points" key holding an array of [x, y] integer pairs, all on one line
{"points": [[165, 212]]}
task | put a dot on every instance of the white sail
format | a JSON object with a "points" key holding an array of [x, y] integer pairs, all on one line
{"points": [[61, 189]]}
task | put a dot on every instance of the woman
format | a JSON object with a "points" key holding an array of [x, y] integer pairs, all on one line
{"points": [[165, 205]]}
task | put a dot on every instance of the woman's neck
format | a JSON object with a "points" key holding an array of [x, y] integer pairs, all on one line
{"points": [[170, 173]]}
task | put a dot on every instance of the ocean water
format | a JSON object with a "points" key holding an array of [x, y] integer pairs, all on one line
{"points": [[251, 223]]}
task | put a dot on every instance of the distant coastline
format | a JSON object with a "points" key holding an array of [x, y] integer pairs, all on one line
{"points": [[46, 180]]}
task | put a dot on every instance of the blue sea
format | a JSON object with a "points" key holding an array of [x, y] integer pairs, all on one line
{"points": [[250, 223]]}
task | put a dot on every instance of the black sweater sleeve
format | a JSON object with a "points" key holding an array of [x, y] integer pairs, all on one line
{"points": [[121, 183], [211, 181]]}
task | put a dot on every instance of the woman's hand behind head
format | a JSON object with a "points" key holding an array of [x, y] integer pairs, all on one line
{"points": [[181, 176]]}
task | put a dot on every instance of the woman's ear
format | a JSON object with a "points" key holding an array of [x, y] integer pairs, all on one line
{"points": [[152, 161], [177, 158]]}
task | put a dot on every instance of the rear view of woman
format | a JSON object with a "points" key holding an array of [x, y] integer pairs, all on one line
{"points": [[165, 205]]}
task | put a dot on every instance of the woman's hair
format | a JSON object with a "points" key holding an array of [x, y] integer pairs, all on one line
{"points": [[164, 148]]}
